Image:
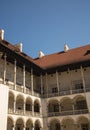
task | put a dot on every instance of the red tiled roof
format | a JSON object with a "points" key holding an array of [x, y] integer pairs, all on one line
{"points": [[72, 56], [64, 58], [16, 49]]}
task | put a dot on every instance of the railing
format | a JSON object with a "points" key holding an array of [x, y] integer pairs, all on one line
{"points": [[19, 88], [19, 112], [87, 89], [28, 113], [10, 84], [77, 91], [22, 113], [46, 95], [11, 110], [36, 94], [53, 94], [37, 114], [64, 113], [1, 81], [65, 92], [28, 91]]}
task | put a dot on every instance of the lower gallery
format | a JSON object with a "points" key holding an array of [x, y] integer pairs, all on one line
{"points": [[50, 92]]}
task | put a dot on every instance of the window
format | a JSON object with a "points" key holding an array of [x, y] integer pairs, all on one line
{"points": [[18, 128], [81, 104], [54, 90], [57, 126], [36, 108], [56, 108], [27, 128], [79, 86], [84, 127], [28, 107]]}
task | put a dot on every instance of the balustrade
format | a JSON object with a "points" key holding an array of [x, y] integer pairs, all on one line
{"points": [[64, 113]]}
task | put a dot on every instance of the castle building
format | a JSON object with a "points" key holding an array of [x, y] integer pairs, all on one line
{"points": [[51, 92]]}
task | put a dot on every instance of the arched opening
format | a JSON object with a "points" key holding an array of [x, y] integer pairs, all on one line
{"points": [[80, 103], [55, 125], [29, 125], [68, 124], [37, 125], [53, 106], [28, 106], [19, 105], [11, 103], [66, 106], [19, 124], [83, 123], [9, 124], [36, 106]]}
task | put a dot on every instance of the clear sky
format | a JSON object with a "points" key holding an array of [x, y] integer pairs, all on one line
{"points": [[46, 25]]}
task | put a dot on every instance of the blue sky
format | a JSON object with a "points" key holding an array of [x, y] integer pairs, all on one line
{"points": [[46, 25]]}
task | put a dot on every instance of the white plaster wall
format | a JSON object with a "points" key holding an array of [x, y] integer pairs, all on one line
{"points": [[3, 106]]}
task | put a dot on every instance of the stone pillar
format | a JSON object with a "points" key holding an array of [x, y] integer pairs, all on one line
{"points": [[32, 80], [24, 128], [73, 108], [46, 85], [5, 68], [62, 127], [40, 110], [41, 84], [83, 80], [33, 127], [59, 108], [24, 109], [24, 77], [15, 74], [48, 127], [57, 81], [32, 109], [70, 76], [14, 105], [13, 127]]}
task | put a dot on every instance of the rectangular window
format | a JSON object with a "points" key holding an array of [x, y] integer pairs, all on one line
{"points": [[84, 127], [81, 104], [79, 86], [54, 90], [28, 107]]}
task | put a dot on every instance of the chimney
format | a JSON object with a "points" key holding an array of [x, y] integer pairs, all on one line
{"points": [[66, 48], [1, 34], [41, 54], [19, 46]]}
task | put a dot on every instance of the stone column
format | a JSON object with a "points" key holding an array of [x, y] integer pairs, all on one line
{"points": [[24, 109], [24, 77], [59, 108], [83, 80], [5, 68], [33, 127], [62, 127], [70, 76], [41, 84], [32, 109], [15, 74], [14, 105], [46, 86], [40, 110], [57, 80], [24, 128], [32, 80], [73, 108], [13, 127]]}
